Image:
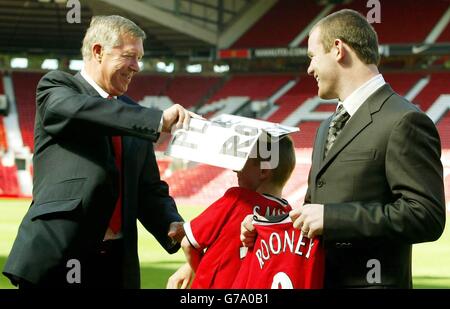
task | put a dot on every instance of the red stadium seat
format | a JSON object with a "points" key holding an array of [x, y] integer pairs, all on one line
{"points": [[25, 92], [280, 25]]}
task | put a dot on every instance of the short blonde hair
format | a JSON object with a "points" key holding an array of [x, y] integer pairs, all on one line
{"points": [[107, 30]]}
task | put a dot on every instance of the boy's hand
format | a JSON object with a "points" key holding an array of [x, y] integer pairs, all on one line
{"points": [[248, 233], [181, 278]]}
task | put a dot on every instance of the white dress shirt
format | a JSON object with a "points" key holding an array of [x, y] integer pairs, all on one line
{"points": [[360, 95], [91, 82]]}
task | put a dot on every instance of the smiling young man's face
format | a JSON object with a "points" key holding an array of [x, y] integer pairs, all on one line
{"points": [[322, 66], [119, 64]]}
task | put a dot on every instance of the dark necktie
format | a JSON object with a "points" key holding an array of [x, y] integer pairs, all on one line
{"points": [[336, 125], [116, 219]]}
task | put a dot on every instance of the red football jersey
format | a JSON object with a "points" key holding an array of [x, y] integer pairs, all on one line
{"points": [[282, 258], [217, 230]]}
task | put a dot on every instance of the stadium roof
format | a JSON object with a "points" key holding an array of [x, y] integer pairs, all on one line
{"points": [[173, 27]]}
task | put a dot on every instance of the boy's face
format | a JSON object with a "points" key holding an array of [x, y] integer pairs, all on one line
{"points": [[250, 176]]}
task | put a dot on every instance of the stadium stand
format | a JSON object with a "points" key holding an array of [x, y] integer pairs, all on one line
{"points": [[190, 90], [445, 35], [193, 183], [402, 82], [9, 186], [286, 105], [147, 85], [2, 88], [444, 131], [254, 86], [438, 84], [185, 183], [24, 90], [3, 139], [280, 25], [290, 101], [184, 90], [187, 91], [403, 14], [295, 189], [304, 89]]}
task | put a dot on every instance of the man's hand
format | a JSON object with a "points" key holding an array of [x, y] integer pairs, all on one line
{"points": [[176, 231], [248, 233], [181, 278], [309, 219], [177, 115]]}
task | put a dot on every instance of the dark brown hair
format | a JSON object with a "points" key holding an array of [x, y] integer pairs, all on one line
{"points": [[285, 161], [354, 30]]}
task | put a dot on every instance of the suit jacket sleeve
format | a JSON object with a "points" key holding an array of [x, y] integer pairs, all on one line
{"points": [[307, 199], [308, 191], [415, 176], [156, 209], [66, 109]]}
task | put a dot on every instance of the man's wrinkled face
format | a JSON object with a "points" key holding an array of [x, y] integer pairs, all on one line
{"points": [[119, 64]]}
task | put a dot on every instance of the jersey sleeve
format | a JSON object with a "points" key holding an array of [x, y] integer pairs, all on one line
{"points": [[205, 228]]}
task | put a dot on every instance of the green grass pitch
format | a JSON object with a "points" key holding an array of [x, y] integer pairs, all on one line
{"points": [[431, 261]]}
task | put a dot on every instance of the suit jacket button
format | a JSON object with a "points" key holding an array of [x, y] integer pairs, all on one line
{"points": [[320, 183]]}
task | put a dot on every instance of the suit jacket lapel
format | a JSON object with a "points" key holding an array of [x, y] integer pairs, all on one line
{"points": [[91, 91], [319, 147], [358, 122], [87, 87]]}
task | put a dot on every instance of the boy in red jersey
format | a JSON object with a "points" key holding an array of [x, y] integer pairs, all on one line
{"points": [[217, 228]]}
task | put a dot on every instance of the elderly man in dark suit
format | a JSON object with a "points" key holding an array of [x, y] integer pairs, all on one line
{"points": [[95, 171], [375, 186]]}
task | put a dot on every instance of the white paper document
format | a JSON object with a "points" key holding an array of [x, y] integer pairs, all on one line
{"points": [[225, 141]]}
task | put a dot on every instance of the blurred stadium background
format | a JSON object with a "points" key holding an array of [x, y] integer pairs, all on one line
{"points": [[243, 57]]}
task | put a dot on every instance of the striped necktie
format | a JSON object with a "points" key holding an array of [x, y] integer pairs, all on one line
{"points": [[336, 125]]}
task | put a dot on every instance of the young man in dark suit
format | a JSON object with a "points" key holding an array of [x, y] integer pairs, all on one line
{"points": [[95, 171], [376, 182]]}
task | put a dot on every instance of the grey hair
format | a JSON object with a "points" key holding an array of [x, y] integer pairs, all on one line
{"points": [[107, 31]]}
